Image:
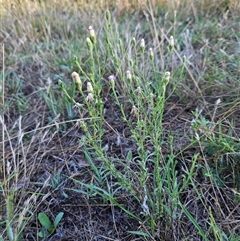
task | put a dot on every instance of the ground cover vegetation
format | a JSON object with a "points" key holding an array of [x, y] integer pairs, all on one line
{"points": [[120, 120]]}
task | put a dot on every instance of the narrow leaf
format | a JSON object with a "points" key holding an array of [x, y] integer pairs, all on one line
{"points": [[58, 219], [140, 233]]}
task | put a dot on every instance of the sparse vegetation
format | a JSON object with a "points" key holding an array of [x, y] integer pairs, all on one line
{"points": [[121, 116], [48, 226]]}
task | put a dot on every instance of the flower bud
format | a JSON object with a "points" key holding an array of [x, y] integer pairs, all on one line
{"points": [[89, 44], [108, 15], [60, 83], [134, 42], [184, 59], [120, 43], [167, 76], [92, 34], [171, 43], [77, 80], [142, 45], [111, 79], [151, 55], [131, 62], [129, 75], [89, 87]]}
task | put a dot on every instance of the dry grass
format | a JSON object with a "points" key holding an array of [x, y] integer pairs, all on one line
{"points": [[43, 156], [121, 6]]}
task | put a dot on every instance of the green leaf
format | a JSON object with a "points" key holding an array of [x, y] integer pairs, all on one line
{"points": [[195, 223], [236, 239], [129, 156], [42, 234], [45, 221], [140, 233], [58, 219]]}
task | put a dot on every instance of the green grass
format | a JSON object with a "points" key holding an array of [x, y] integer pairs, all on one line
{"points": [[130, 125]]}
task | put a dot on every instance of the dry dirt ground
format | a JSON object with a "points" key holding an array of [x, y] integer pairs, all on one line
{"points": [[50, 158]]}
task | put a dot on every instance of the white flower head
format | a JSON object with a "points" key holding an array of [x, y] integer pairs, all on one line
{"points": [[167, 76], [111, 79], [129, 75], [171, 43], [139, 90], [91, 30], [92, 34], [89, 87], [142, 44], [76, 77], [151, 54], [134, 110], [90, 97]]}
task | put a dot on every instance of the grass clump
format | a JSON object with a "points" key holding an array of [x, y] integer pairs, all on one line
{"points": [[128, 126]]}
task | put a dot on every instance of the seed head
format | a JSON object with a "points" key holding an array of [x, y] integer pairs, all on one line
{"points": [[90, 97], [76, 77]]}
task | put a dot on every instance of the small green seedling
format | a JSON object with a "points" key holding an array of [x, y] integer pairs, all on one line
{"points": [[48, 226]]}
